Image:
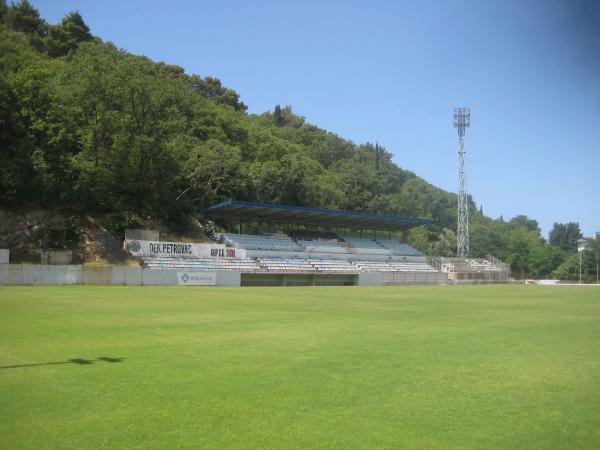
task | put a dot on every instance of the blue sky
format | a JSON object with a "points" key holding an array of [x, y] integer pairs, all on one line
{"points": [[393, 71]]}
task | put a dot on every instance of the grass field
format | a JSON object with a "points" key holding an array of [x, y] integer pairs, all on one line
{"points": [[440, 367]]}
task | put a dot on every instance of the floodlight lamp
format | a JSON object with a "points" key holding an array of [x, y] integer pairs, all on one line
{"points": [[462, 117]]}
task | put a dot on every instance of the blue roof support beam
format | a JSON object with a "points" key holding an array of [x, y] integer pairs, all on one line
{"points": [[235, 210]]}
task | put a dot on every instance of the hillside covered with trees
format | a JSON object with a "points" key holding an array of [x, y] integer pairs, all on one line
{"points": [[88, 127]]}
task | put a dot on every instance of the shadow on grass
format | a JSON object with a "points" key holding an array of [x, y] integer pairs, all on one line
{"points": [[78, 361]]}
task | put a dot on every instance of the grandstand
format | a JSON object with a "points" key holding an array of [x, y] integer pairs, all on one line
{"points": [[286, 265], [313, 241], [200, 263], [300, 245], [333, 266], [372, 266], [364, 244], [269, 242], [488, 269], [397, 247]]}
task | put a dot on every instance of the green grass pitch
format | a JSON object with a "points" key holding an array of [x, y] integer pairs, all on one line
{"points": [[472, 367]]}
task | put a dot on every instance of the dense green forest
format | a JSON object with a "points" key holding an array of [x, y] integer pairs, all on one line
{"points": [[86, 126]]}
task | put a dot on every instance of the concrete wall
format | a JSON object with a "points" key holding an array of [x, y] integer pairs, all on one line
{"points": [[39, 274], [229, 278], [4, 255], [142, 235], [370, 279], [29, 274], [56, 257]]}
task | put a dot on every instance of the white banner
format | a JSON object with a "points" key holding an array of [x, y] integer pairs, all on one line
{"points": [[196, 278], [160, 248]]}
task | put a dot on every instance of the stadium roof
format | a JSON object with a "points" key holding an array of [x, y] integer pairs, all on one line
{"points": [[234, 210]]}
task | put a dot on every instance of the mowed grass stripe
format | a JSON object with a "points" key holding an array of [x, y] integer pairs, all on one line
{"points": [[372, 367]]}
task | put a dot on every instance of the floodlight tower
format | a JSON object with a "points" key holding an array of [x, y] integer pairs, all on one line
{"points": [[462, 119]]}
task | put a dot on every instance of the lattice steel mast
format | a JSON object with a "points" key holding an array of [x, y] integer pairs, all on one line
{"points": [[462, 119]]}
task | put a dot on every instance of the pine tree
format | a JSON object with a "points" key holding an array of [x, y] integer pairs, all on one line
{"points": [[3, 10], [24, 17], [66, 36]]}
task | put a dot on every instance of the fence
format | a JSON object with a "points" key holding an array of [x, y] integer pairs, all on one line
{"points": [[414, 278]]}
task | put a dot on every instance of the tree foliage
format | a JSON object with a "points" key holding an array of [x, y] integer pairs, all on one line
{"points": [[589, 259], [22, 16], [565, 236], [67, 35]]}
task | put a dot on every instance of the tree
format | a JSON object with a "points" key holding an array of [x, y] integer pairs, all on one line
{"points": [[3, 10], [445, 245], [525, 222], [212, 88], [544, 259], [565, 236], [24, 17], [487, 238], [520, 244], [326, 193], [115, 115], [66, 36], [17, 179], [211, 171], [285, 117], [45, 151], [569, 269]]}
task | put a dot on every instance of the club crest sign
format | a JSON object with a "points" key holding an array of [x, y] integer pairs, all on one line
{"points": [[134, 246]]}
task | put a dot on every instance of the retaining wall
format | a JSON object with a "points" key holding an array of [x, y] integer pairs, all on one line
{"points": [[142, 235], [370, 279], [28, 274], [56, 257]]}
